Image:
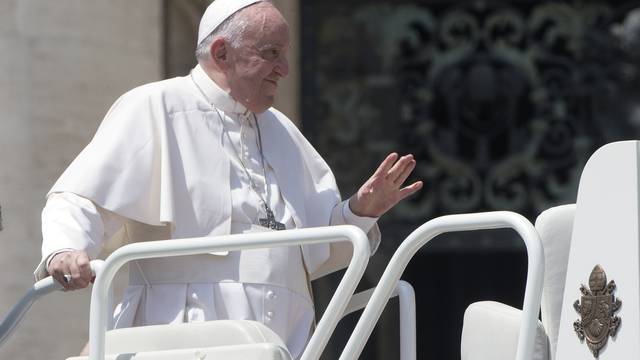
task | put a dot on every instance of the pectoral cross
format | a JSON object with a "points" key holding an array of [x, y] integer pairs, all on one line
{"points": [[270, 221]]}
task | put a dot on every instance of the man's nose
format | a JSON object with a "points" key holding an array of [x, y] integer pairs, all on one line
{"points": [[282, 67]]}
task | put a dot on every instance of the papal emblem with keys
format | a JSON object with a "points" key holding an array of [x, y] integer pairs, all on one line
{"points": [[597, 307]]}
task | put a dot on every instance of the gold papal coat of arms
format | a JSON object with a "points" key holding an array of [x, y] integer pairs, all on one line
{"points": [[597, 307]]}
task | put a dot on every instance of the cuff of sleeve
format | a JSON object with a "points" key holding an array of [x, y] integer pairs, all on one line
{"points": [[41, 271], [363, 222]]}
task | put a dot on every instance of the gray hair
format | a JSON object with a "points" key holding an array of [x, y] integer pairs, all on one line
{"points": [[231, 29]]}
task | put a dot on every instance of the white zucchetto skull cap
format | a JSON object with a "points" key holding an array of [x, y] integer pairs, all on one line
{"points": [[217, 12]]}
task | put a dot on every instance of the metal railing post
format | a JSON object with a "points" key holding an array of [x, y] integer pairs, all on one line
{"points": [[450, 223]]}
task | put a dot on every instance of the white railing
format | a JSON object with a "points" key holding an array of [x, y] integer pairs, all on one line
{"points": [[153, 249], [340, 304], [403, 290], [453, 223], [41, 288]]}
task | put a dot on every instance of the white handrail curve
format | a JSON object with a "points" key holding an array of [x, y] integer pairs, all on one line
{"points": [[192, 246], [454, 223], [41, 288]]}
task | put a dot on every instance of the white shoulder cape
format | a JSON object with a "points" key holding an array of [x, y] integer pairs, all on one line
{"points": [[157, 158]]}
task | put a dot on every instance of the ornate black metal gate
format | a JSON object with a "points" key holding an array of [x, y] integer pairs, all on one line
{"points": [[501, 103]]}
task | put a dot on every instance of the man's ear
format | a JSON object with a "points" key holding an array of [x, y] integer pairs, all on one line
{"points": [[219, 53]]}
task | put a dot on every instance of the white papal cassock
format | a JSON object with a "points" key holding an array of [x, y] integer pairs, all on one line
{"points": [[165, 163]]}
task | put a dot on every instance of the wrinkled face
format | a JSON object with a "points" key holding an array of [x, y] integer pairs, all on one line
{"points": [[258, 64]]}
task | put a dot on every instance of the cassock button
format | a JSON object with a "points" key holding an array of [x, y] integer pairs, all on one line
{"points": [[268, 317]]}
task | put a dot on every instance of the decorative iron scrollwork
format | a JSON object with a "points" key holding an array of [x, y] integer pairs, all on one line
{"points": [[501, 104]]}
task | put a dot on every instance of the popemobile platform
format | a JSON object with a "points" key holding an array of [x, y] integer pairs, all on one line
{"points": [[583, 279]]}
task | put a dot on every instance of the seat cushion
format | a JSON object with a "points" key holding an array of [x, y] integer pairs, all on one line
{"points": [[189, 335], [192, 337], [490, 332]]}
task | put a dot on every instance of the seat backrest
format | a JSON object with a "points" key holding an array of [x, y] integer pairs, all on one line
{"points": [[605, 247], [554, 226], [262, 351]]}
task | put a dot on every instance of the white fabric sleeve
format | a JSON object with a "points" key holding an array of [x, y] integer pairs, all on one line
{"points": [[348, 217], [342, 215], [341, 252], [71, 222], [50, 257]]}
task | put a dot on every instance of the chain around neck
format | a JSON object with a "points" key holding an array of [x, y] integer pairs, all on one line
{"points": [[240, 158]]}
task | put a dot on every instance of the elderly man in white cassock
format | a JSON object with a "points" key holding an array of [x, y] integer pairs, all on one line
{"points": [[207, 155]]}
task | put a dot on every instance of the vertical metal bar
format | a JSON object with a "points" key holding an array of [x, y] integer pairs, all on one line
{"points": [[407, 299], [407, 302]]}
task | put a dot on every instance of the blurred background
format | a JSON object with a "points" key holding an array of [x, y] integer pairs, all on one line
{"points": [[501, 102]]}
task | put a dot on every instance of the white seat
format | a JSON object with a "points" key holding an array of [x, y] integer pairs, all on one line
{"points": [[488, 324], [223, 339], [491, 331], [581, 311]]}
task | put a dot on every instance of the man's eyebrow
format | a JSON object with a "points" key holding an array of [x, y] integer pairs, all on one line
{"points": [[268, 46]]}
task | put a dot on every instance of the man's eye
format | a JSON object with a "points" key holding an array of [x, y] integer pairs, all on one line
{"points": [[271, 54]]}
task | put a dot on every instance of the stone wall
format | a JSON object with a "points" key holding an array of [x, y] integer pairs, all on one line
{"points": [[63, 63], [288, 97]]}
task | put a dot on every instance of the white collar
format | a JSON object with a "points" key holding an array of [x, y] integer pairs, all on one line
{"points": [[214, 94]]}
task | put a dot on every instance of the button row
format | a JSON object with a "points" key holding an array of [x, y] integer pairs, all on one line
{"points": [[270, 295]]}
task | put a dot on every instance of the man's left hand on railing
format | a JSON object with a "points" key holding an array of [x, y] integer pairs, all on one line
{"points": [[76, 265]]}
